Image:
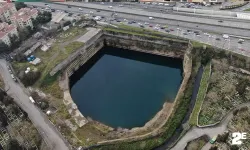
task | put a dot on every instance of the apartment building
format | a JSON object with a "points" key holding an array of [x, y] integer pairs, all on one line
{"points": [[22, 18], [6, 10], [6, 31]]}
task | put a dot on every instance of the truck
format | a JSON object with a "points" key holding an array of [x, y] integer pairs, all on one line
{"points": [[32, 100]]}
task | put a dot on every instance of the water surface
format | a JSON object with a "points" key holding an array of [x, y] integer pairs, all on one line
{"points": [[123, 88]]}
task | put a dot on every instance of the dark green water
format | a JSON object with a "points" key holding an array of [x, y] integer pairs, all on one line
{"points": [[123, 88]]}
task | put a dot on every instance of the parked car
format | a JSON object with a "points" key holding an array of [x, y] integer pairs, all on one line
{"points": [[220, 21], [167, 31], [225, 36], [111, 7], [218, 39], [69, 6], [150, 18], [150, 25], [80, 9]]}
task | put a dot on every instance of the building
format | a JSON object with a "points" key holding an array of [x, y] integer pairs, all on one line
{"points": [[22, 18], [6, 10], [6, 31]]}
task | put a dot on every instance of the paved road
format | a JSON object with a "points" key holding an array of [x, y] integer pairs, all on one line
{"points": [[51, 136], [231, 45], [196, 132], [209, 24]]}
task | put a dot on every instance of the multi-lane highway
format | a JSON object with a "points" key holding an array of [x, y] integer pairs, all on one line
{"points": [[233, 27]]}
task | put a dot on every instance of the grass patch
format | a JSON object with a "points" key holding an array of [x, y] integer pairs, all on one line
{"points": [[70, 34], [1, 82], [73, 46], [143, 34], [248, 9], [201, 94]]}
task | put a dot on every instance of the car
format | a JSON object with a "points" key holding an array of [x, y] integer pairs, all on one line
{"points": [[162, 27], [53, 10], [241, 40], [218, 39], [150, 25], [97, 10], [241, 49], [167, 31], [46, 4], [69, 6], [125, 20], [80, 9], [146, 23], [133, 21], [189, 30], [94, 16], [150, 18], [142, 26], [156, 28], [166, 4], [111, 7], [220, 21], [171, 29], [102, 17], [102, 3], [225, 36], [185, 33], [70, 14], [8, 67], [66, 11], [118, 20], [120, 5], [196, 32], [34, 7], [130, 22], [91, 12]]}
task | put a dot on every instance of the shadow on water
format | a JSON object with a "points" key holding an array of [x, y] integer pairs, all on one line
{"points": [[128, 54], [191, 106]]}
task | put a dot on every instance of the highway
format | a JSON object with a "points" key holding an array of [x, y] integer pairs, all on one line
{"points": [[52, 137], [233, 27]]}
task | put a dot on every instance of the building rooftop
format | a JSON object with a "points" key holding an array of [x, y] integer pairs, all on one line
{"points": [[24, 14], [4, 6], [5, 28]]}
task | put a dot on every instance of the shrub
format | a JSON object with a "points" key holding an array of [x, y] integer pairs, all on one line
{"points": [[30, 78]]}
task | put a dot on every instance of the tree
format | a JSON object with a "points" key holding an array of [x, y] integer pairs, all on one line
{"points": [[234, 147], [4, 47], [15, 41], [213, 148], [20, 5], [14, 145], [241, 86], [223, 138], [66, 23]]}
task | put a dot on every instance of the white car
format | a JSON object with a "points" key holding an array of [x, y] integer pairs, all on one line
{"points": [[120, 5], [166, 4], [160, 3], [146, 23], [91, 12], [102, 3], [110, 7], [225, 36], [80, 9], [241, 40], [150, 18]]}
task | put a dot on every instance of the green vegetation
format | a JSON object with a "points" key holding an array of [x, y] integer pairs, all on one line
{"points": [[154, 35], [1, 82], [71, 47], [248, 9], [198, 143], [70, 34], [201, 94]]}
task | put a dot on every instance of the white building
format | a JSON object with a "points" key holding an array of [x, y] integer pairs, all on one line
{"points": [[22, 18], [6, 10], [6, 31]]}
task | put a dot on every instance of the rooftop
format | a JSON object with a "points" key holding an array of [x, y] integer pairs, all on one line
{"points": [[5, 6], [24, 14], [5, 28]]}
